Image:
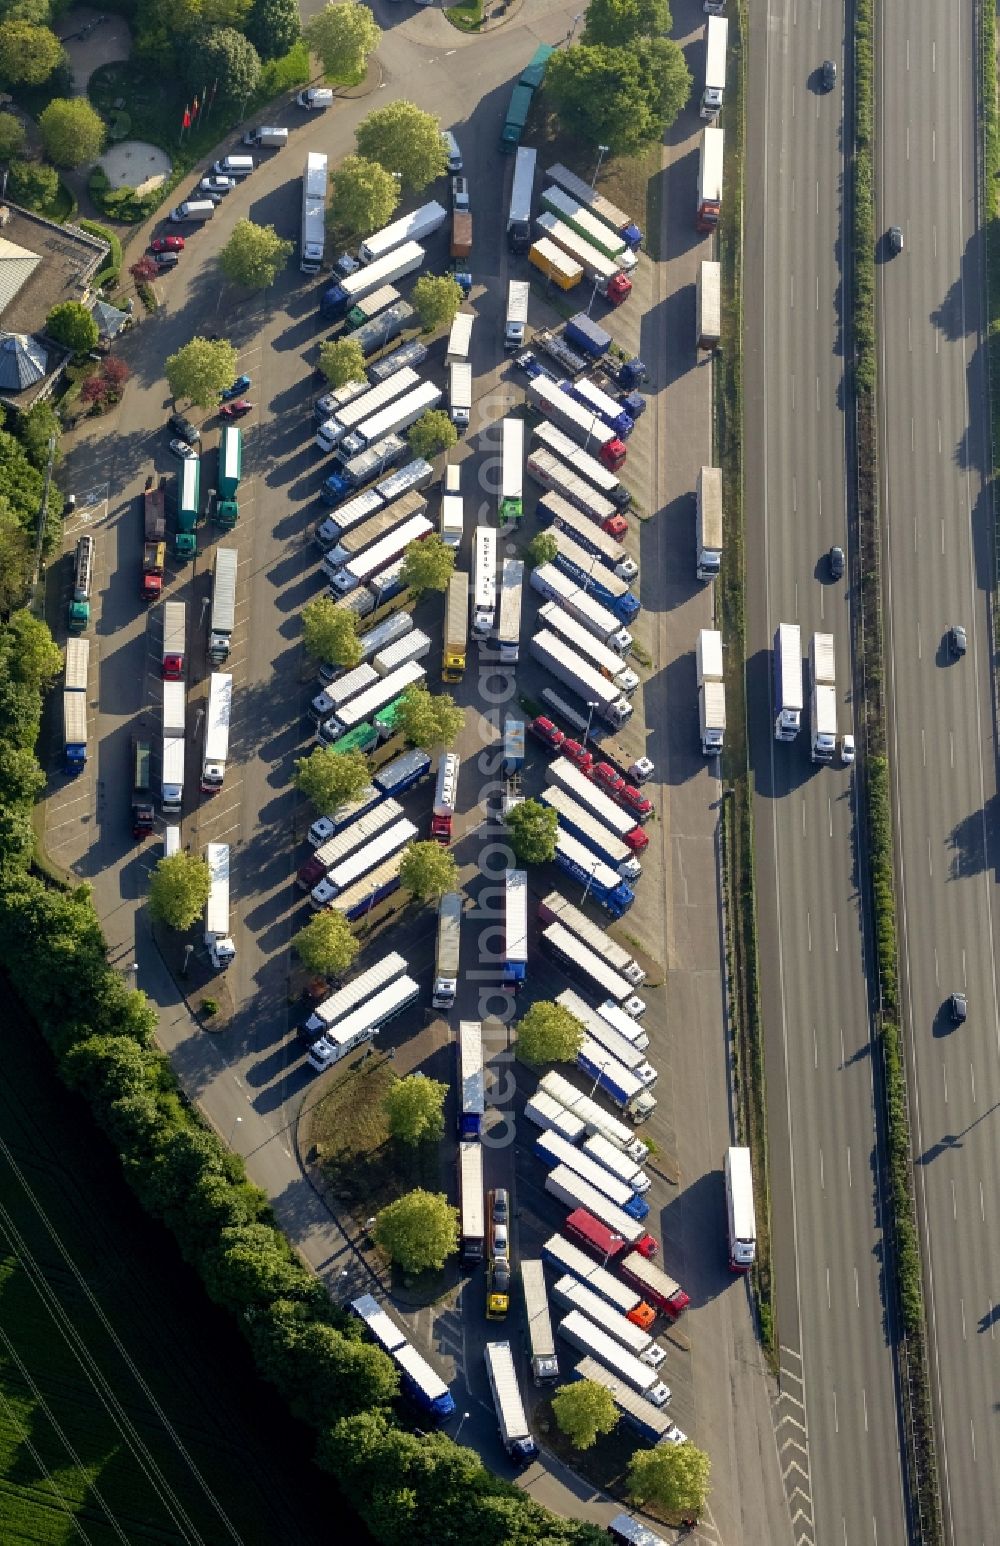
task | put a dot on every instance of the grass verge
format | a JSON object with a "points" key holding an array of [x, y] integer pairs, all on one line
{"points": [[467, 16], [361, 1161], [632, 182], [737, 807], [904, 1274]]}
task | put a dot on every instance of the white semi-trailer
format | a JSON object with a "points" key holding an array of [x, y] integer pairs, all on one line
{"points": [[716, 40], [544, 1363], [741, 1218], [823, 671], [217, 720], [787, 681], [582, 678], [511, 1421], [509, 624], [448, 945], [708, 541], [484, 584], [598, 1343], [221, 950], [711, 692]]}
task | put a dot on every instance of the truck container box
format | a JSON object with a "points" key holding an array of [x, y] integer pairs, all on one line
{"points": [[411, 228], [708, 523], [654, 1284], [559, 266]]}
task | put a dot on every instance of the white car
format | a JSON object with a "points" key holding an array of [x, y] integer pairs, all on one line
{"points": [[460, 193], [181, 449], [847, 750], [217, 184]]}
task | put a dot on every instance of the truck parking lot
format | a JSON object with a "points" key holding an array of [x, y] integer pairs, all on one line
{"points": [[278, 568]]}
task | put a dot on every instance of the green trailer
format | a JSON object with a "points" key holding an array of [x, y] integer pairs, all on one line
{"points": [[226, 510], [363, 738], [517, 117]]}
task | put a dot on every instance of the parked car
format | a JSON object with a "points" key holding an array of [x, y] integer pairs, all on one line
{"points": [[605, 775], [181, 449], [239, 386], [636, 801], [460, 192], [546, 731], [185, 428], [574, 751], [235, 410], [166, 259], [167, 244], [214, 184]]}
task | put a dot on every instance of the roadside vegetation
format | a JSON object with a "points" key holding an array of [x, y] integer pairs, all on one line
{"points": [[903, 1254]]}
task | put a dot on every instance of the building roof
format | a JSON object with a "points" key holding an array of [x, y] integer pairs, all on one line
{"points": [[108, 318], [23, 361], [17, 264]]}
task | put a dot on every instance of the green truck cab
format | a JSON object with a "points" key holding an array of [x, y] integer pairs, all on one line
{"points": [[188, 496], [83, 570]]}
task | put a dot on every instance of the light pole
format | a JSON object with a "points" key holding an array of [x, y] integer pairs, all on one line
{"points": [[458, 1430], [237, 1123], [592, 704], [602, 151], [598, 1079], [615, 1240], [577, 19], [590, 879], [590, 307]]}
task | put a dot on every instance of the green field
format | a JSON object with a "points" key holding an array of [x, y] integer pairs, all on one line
{"points": [[129, 1410]]}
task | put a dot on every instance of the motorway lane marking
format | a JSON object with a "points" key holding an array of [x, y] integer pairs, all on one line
{"points": [[818, 405], [942, 525], [930, 861], [836, 1415], [809, 931], [815, 1049], [909, 335], [836, 936], [850, 1176], [857, 1306], [829, 1297], [822, 1173], [791, 292], [919, 644], [829, 813], [944, 1081], [864, 1408], [803, 818]]}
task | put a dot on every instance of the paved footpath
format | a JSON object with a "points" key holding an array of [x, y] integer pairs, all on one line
{"points": [[249, 1079]]}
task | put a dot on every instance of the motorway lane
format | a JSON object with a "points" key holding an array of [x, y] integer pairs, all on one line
{"points": [[838, 1432], [937, 517], [251, 1081]]}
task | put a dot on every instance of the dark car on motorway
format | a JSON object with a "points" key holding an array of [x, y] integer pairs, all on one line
{"points": [[836, 560], [958, 1005], [895, 239], [958, 641], [829, 74]]}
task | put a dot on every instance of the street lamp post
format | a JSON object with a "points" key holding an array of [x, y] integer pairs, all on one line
{"points": [[458, 1430], [237, 1123], [590, 307], [598, 1079], [577, 19], [590, 879], [602, 151], [592, 704]]}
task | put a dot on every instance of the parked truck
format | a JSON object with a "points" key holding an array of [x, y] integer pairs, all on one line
{"points": [[563, 511], [593, 230], [414, 645], [595, 1118], [574, 1192], [518, 291], [83, 576], [600, 882], [708, 523], [456, 630], [267, 138], [154, 514], [226, 510], [566, 1256], [588, 794], [452, 522], [586, 335], [338, 299], [614, 415], [606, 660], [544, 1363], [448, 948], [75, 704], [509, 620], [709, 309], [650, 1422], [585, 426], [174, 640], [513, 1425], [553, 473], [460, 393], [556, 586], [740, 1215], [555, 908], [709, 206], [823, 672], [393, 418], [787, 681], [223, 617], [654, 1284], [619, 1084], [370, 306], [548, 1115], [519, 211], [221, 950], [711, 692], [332, 431], [559, 266], [407, 357], [461, 234], [445, 797], [414, 227], [172, 764], [612, 216], [581, 677], [611, 1016], [551, 438], [217, 722], [599, 270], [716, 41], [154, 562], [140, 764], [552, 1150], [569, 1292], [584, 826], [344, 1000], [381, 330]]}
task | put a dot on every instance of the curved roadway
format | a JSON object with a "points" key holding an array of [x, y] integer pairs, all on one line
{"points": [[838, 1415], [934, 433]]}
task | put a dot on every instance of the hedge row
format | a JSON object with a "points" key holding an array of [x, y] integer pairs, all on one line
{"points": [[409, 1488], [109, 274], [920, 1458]]}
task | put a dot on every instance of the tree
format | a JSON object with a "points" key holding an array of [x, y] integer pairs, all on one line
{"points": [[428, 871], [178, 890], [428, 719], [583, 1411], [418, 1231], [428, 565], [38, 12], [414, 1108], [72, 325], [144, 271], [548, 1033], [620, 97], [532, 827], [343, 35], [329, 778], [12, 136], [618, 23], [72, 132], [404, 139], [364, 198], [28, 55], [330, 634], [436, 298], [254, 255], [200, 370], [273, 27], [542, 549], [38, 426], [222, 54], [433, 432], [17, 554], [326, 944], [33, 184], [673, 1477], [342, 360]]}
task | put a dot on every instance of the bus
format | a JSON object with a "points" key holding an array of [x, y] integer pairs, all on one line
{"points": [[511, 470], [189, 493], [515, 946], [484, 588], [470, 1201], [314, 181]]}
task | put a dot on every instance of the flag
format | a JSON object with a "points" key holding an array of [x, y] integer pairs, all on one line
{"points": [[186, 121], [194, 108], [215, 87]]}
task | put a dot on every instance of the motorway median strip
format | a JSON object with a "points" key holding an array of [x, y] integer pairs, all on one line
{"points": [[739, 880], [903, 1263]]}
